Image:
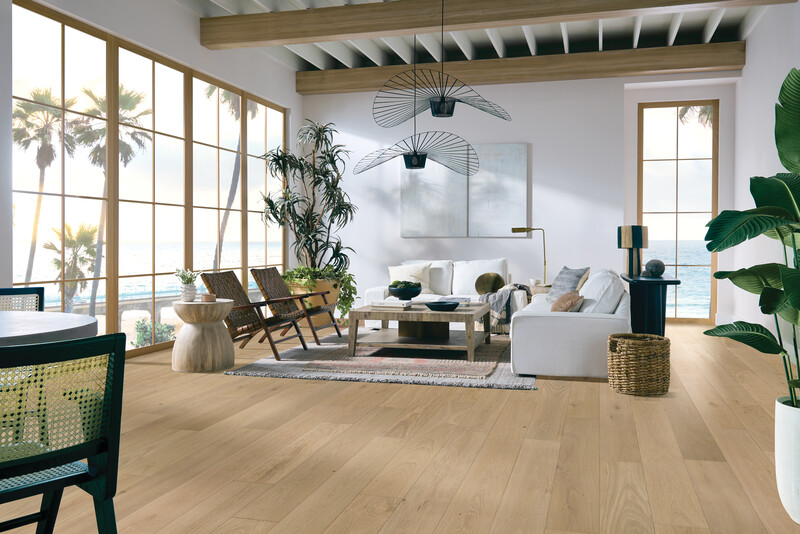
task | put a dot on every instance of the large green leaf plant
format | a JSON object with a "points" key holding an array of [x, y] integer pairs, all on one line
{"points": [[776, 215]]}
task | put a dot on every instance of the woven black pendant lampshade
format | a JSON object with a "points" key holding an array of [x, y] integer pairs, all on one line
{"points": [[444, 148]]}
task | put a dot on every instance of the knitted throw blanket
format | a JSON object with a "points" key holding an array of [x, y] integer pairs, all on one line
{"points": [[500, 303]]}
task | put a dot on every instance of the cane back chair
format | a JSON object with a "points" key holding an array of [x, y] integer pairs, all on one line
{"points": [[21, 299]]}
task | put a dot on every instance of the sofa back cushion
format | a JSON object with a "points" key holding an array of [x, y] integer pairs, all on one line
{"points": [[441, 275], [418, 272], [602, 292], [465, 273]]}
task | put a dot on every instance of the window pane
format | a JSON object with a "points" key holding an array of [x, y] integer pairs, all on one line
{"points": [[205, 176], [229, 173], [274, 244], [135, 238], [205, 107], [169, 100], [91, 300], [670, 311], [136, 310], [658, 186], [83, 225], [205, 238], [36, 53], [169, 239], [229, 111], [85, 71], [231, 254], [694, 292], [135, 89], [274, 129], [256, 182], [694, 185], [85, 171], [661, 237], [52, 296], [167, 321], [659, 133], [256, 128], [135, 164], [37, 148], [35, 219], [691, 239], [695, 132], [169, 169], [257, 239]]}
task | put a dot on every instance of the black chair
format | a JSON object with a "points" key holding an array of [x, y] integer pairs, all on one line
{"points": [[21, 299], [61, 403]]}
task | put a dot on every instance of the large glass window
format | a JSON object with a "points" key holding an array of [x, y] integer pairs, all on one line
{"points": [[678, 152], [66, 190]]}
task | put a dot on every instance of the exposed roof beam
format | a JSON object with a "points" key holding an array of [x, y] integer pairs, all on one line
{"points": [[637, 30], [374, 52], [313, 55], [711, 24], [565, 37], [530, 38], [431, 44], [408, 17], [752, 17], [338, 50], [464, 44], [300, 4], [600, 35], [285, 57], [610, 63], [497, 42], [674, 26], [400, 47]]}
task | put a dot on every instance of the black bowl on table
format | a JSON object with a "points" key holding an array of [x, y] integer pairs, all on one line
{"points": [[405, 293], [442, 305]]}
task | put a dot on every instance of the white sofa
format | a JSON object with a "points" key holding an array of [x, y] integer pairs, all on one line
{"points": [[571, 344], [451, 279]]}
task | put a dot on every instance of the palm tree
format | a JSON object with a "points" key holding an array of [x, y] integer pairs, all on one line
{"points": [[92, 133], [79, 255], [35, 124], [704, 114], [232, 101]]}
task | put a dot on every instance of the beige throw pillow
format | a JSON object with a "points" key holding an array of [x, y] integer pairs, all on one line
{"points": [[417, 272], [568, 302]]}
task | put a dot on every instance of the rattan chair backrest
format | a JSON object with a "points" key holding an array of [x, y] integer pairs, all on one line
{"points": [[225, 285], [21, 299], [272, 286]]}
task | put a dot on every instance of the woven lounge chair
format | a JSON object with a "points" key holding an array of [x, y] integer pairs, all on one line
{"points": [[61, 403], [246, 319], [281, 300], [21, 299]]}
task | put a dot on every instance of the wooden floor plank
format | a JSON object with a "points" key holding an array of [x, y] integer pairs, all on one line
{"points": [[237, 525], [673, 500], [366, 514], [618, 440], [623, 497]]}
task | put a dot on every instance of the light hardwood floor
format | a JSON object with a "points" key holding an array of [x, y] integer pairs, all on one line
{"points": [[226, 454]]}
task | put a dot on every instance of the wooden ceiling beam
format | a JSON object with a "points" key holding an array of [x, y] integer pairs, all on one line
{"points": [[407, 17], [607, 64]]}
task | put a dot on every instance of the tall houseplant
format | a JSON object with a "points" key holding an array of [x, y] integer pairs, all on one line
{"points": [[776, 215], [313, 206]]}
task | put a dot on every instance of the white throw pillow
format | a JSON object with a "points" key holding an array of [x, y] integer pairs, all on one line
{"points": [[466, 272], [441, 275], [602, 292], [419, 272]]}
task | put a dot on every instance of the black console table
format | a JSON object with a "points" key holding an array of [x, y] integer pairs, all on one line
{"points": [[649, 302]]}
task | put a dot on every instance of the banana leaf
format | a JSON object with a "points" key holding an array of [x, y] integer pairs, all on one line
{"points": [[787, 118], [781, 190], [774, 301], [791, 285], [754, 279], [732, 227], [752, 335]]}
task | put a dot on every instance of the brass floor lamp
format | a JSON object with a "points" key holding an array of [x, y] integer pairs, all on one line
{"points": [[525, 229]]}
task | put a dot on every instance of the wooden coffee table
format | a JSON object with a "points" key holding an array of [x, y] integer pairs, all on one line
{"points": [[419, 327]]}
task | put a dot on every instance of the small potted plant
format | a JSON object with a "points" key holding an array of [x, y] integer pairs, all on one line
{"points": [[405, 290], [188, 289]]}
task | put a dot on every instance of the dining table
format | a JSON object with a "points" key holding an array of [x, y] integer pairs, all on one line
{"points": [[28, 327]]}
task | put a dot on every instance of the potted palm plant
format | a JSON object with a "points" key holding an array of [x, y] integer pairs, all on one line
{"points": [[776, 215], [313, 206]]}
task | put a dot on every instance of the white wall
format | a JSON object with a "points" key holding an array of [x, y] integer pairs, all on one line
{"points": [[772, 50], [5, 143]]}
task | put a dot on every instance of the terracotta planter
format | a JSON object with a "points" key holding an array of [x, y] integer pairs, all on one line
{"points": [[322, 285], [787, 461]]}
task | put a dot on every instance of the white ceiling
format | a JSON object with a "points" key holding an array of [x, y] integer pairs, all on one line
{"points": [[690, 27]]}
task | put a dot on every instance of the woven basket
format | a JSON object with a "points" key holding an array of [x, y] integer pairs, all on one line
{"points": [[638, 364]]}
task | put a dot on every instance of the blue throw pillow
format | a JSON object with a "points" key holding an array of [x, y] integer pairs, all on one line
{"points": [[567, 280]]}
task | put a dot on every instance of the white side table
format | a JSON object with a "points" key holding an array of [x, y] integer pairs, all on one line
{"points": [[203, 344]]}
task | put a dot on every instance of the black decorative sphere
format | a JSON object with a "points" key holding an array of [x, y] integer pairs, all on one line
{"points": [[654, 268]]}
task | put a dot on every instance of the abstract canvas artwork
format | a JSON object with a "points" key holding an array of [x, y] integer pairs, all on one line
{"points": [[437, 202]]}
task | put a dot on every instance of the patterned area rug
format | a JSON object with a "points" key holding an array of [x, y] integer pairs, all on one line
{"points": [[330, 361]]}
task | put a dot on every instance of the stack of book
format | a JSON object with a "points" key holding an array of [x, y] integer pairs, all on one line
{"points": [[392, 304]]}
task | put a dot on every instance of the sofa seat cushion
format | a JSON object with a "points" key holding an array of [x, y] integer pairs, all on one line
{"points": [[441, 275], [465, 273], [602, 292], [419, 273]]}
